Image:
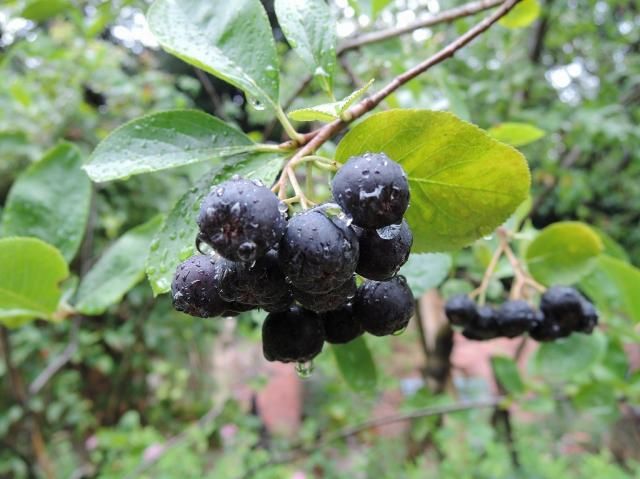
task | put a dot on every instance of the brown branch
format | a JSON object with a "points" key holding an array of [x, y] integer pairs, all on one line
{"points": [[20, 394], [329, 130], [447, 16]]}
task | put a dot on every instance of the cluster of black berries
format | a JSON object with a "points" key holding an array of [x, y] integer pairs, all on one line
{"points": [[563, 310], [302, 271]]}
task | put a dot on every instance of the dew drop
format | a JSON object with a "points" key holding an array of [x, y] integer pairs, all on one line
{"points": [[389, 232], [155, 244], [282, 207], [488, 237], [247, 251], [304, 369], [256, 104]]}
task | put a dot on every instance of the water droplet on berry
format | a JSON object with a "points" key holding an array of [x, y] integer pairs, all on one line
{"points": [[247, 251], [389, 232], [257, 182], [305, 369], [220, 191]]}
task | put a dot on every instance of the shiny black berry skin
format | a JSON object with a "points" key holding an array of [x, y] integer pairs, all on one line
{"points": [[261, 284], [589, 318], [295, 335], [461, 310], [195, 289], [384, 307], [483, 326], [318, 252], [380, 258], [323, 302], [373, 189], [515, 317], [547, 330], [568, 309], [340, 325], [241, 220]]}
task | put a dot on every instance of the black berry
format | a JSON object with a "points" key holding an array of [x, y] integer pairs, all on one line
{"points": [[326, 301], [373, 189], [382, 256], [260, 284], [340, 325], [195, 289], [295, 335], [515, 317], [241, 220], [318, 252], [483, 326], [568, 309], [461, 310], [384, 307]]}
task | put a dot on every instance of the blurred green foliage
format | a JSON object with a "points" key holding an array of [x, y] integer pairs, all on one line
{"points": [[139, 372]]}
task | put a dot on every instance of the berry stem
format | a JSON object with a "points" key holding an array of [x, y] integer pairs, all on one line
{"points": [[522, 277], [481, 291], [288, 127], [304, 202]]}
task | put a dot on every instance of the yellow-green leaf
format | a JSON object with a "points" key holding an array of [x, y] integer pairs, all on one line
{"points": [[516, 134], [563, 253], [522, 15], [463, 183], [30, 275]]}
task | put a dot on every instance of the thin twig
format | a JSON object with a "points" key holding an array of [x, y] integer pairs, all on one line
{"points": [[447, 16], [486, 278], [329, 130], [211, 92], [58, 362], [522, 277]]}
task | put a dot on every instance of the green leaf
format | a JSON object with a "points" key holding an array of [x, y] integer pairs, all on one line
{"points": [[507, 374], [329, 111], [566, 358], [523, 14], [356, 364], [30, 275], [175, 241], [50, 200], [310, 30], [41, 10], [611, 246], [118, 270], [614, 285], [516, 134], [231, 40], [164, 140], [325, 112], [463, 183], [425, 271], [371, 8], [563, 253]]}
